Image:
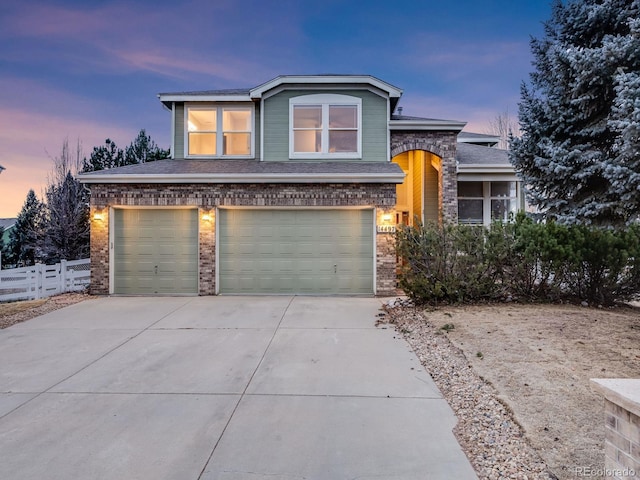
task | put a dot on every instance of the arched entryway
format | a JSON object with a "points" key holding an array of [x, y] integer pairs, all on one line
{"points": [[419, 197], [439, 149]]}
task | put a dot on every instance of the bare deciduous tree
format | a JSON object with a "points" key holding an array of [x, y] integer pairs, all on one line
{"points": [[504, 126], [69, 161], [66, 233]]}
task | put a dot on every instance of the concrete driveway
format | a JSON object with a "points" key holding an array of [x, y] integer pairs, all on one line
{"points": [[223, 388]]}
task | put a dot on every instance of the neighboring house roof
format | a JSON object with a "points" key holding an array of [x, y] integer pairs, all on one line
{"points": [[478, 158], [478, 138], [248, 171], [7, 222]]}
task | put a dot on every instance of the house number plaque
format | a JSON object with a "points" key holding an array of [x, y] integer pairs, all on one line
{"points": [[386, 228]]}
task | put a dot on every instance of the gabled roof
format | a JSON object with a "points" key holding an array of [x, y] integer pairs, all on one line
{"points": [[256, 93], [248, 171], [330, 78]]}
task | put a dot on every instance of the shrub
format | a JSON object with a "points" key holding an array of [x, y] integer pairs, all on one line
{"points": [[445, 264], [602, 265], [529, 260]]}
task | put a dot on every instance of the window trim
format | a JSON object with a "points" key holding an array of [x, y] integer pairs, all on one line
{"points": [[325, 100], [219, 108], [487, 199]]}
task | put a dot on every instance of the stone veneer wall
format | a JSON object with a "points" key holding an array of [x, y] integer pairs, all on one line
{"points": [[442, 144], [622, 441], [209, 196], [622, 426]]}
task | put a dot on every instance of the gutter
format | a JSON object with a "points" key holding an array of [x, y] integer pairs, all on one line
{"points": [[426, 125], [244, 178], [487, 168]]}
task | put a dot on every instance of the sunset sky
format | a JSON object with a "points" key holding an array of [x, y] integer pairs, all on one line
{"points": [[91, 70]]}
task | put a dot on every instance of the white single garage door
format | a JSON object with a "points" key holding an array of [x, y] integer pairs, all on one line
{"points": [[155, 251], [306, 251]]}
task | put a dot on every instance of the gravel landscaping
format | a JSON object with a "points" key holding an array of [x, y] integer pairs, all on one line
{"points": [[16, 312], [517, 377]]}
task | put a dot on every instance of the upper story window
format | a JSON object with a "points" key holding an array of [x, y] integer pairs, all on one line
{"points": [[218, 131], [480, 203], [325, 126]]}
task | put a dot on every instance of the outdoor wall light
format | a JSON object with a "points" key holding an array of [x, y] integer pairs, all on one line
{"points": [[386, 217], [206, 216], [98, 215]]}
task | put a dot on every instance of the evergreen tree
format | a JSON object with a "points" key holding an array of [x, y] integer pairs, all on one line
{"points": [[67, 226], [143, 150], [2, 252], [578, 153], [26, 235], [104, 157], [66, 220]]}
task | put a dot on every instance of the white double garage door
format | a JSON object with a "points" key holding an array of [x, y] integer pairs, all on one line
{"points": [[259, 251]]}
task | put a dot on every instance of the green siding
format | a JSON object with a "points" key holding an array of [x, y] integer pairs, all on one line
{"points": [[6, 235], [155, 251], [178, 141], [374, 124], [328, 252], [256, 135]]}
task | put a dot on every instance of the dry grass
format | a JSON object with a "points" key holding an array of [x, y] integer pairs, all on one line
{"points": [[540, 359], [8, 309], [16, 312]]}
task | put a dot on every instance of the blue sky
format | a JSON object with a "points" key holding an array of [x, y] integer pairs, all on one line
{"points": [[91, 70]]}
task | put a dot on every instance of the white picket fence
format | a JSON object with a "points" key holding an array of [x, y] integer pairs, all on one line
{"points": [[40, 281]]}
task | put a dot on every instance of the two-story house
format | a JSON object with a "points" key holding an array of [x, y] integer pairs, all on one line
{"points": [[294, 186]]}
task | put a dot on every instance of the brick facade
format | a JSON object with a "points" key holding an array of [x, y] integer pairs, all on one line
{"points": [[206, 197], [622, 441], [440, 143]]}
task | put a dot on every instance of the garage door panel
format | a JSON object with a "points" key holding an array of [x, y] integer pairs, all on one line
{"points": [[323, 266], [325, 249], [308, 232], [246, 265], [287, 231], [267, 268], [265, 249], [302, 248], [155, 251], [286, 248], [277, 283], [179, 267], [306, 249], [354, 282], [285, 266], [245, 248]]}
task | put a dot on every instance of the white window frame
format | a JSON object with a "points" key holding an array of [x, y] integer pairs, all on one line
{"points": [[325, 101], [219, 130], [487, 198]]}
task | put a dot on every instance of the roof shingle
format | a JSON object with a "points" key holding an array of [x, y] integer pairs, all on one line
{"points": [[469, 154]]}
